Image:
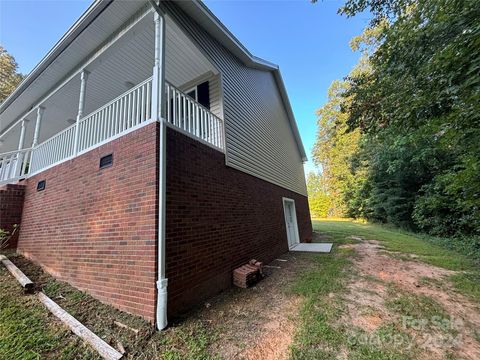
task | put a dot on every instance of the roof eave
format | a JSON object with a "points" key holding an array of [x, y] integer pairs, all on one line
{"points": [[81, 24], [228, 38]]}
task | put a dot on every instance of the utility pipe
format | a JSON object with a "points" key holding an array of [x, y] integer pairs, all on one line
{"points": [[158, 94]]}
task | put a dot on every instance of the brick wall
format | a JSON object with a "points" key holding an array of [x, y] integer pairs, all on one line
{"points": [[217, 219], [96, 228], [11, 205]]}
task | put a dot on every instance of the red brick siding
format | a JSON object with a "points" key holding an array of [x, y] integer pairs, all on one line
{"points": [[96, 228], [11, 205], [217, 219]]}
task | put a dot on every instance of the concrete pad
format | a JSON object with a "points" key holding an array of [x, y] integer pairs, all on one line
{"points": [[313, 247]]}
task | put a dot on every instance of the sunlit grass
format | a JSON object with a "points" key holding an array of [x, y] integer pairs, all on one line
{"points": [[320, 336]]}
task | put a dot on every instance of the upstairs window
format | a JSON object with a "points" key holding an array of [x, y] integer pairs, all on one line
{"points": [[201, 94]]}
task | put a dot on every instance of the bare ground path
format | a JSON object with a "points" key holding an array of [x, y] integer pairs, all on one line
{"points": [[417, 298], [393, 305]]}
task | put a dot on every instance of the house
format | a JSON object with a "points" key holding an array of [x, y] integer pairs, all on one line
{"points": [[148, 155]]}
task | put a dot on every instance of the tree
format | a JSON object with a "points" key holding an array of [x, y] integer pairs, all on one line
{"points": [[418, 111], [336, 146], [9, 77], [318, 199]]}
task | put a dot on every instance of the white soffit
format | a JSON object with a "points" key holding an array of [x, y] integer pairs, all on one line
{"points": [[94, 28]]}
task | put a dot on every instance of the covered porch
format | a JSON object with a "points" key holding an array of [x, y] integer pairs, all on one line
{"points": [[80, 102]]}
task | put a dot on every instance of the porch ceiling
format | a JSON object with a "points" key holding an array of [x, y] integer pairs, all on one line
{"points": [[124, 64]]}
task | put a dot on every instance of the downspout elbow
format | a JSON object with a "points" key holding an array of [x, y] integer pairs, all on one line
{"points": [[161, 312]]}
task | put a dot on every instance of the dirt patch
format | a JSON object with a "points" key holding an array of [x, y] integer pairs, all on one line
{"points": [[365, 304], [378, 272], [258, 323], [277, 337]]}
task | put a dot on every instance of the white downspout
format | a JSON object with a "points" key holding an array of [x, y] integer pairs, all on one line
{"points": [[158, 91]]}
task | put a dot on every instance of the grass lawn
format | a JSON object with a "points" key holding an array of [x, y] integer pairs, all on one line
{"points": [[322, 283], [320, 336], [408, 243], [28, 331]]}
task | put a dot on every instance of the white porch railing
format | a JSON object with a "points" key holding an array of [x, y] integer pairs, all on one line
{"points": [[14, 165], [187, 114], [126, 112], [53, 150], [119, 115]]}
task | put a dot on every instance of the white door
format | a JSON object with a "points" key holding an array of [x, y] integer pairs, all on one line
{"points": [[291, 222]]}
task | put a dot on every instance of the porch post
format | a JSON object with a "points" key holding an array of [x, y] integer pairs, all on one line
{"points": [[21, 141], [81, 107], [158, 78], [21, 145], [38, 123]]}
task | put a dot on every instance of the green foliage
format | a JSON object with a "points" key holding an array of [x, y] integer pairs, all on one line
{"points": [[318, 199], [6, 236], [26, 329], [9, 77], [334, 148], [415, 112]]}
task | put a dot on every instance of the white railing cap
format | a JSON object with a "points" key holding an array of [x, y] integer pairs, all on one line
{"points": [[14, 152]]}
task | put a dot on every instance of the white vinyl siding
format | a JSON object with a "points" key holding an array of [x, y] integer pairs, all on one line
{"points": [[214, 87], [259, 137]]}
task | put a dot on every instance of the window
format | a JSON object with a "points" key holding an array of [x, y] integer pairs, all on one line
{"points": [[192, 93], [201, 94]]}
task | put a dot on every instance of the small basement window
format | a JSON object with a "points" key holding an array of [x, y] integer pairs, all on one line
{"points": [[106, 161], [41, 185]]}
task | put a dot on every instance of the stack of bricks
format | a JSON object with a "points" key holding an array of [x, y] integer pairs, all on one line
{"points": [[248, 274]]}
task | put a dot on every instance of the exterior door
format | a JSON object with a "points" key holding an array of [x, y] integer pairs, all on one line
{"points": [[291, 222]]}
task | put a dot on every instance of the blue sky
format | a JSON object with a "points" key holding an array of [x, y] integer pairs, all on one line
{"points": [[308, 41]]}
